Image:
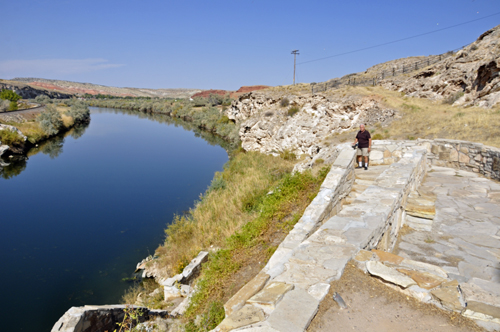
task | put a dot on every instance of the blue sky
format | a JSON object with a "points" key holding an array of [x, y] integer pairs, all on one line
{"points": [[224, 44]]}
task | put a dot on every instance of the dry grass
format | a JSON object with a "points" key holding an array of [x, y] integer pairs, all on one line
{"points": [[222, 212], [32, 129], [424, 118]]}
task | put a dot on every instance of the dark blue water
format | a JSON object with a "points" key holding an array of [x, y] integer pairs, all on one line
{"points": [[84, 210]]}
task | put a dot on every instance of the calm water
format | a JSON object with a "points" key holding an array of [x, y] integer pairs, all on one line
{"points": [[82, 212]]}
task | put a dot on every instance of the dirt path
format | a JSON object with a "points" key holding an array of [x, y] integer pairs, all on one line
{"points": [[375, 307]]}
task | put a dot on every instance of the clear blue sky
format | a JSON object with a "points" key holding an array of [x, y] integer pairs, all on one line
{"points": [[223, 44]]}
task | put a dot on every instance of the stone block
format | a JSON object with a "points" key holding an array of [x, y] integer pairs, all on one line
{"points": [[391, 275], [448, 295], [425, 267], [193, 267], [423, 279], [334, 178], [294, 312], [463, 158], [171, 293], [482, 296], [238, 300], [419, 224], [421, 207], [364, 255], [376, 155], [319, 291], [388, 257], [243, 317], [268, 298], [345, 158]]}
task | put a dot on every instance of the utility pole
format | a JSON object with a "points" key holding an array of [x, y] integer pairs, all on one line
{"points": [[294, 52]]}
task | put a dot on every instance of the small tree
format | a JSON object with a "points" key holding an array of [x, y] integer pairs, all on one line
{"points": [[9, 95]]}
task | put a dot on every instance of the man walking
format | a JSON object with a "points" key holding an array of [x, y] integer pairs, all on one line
{"points": [[364, 140]]}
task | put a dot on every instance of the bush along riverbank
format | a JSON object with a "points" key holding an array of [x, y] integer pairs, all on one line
{"points": [[244, 215], [56, 119], [205, 113]]}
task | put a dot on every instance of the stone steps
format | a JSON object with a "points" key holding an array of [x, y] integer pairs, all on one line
{"points": [[363, 179]]}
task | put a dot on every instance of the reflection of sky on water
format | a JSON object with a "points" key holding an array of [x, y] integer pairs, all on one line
{"points": [[83, 211]]}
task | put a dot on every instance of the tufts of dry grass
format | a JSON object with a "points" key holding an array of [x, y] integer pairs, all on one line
{"points": [[424, 118], [226, 207]]}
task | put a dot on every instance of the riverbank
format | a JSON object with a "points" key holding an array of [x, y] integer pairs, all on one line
{"points": [[205, 113], [21, 133]]}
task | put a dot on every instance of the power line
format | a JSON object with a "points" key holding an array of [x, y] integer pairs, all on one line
{"points": [[398, 40]]}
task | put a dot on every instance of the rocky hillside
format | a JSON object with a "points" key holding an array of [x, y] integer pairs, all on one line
{"points": [[273, 124], [26, 91], [469, 78], [75, 88], [232, 94]]}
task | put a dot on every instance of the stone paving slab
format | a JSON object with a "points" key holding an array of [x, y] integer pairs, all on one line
{"points": [[294, 312], [463, 232]]}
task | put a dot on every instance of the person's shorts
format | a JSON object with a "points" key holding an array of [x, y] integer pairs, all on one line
{"points": [[363, 152]]}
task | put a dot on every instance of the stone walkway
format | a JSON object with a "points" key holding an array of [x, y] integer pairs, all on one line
{"points": [[464, 237]]}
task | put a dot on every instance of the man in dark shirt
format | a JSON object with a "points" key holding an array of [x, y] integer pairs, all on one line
{"points": [[364, 140]]}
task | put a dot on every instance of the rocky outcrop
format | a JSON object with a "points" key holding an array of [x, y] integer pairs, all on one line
{"points": [[268, 127], [469, 78], [28, 92], [101, 318]]}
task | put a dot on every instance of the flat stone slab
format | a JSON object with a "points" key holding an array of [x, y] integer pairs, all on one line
{"points": [[448, 295], [421, 207], [243, 317], [238, 300], [380, 270], [482, 296], [388, 257], [465, 232], [268, 297], [423, 279], [294, 312]]}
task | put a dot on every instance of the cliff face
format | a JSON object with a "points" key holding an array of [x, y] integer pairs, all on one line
{"points": [[469, 78], [267, 127]]}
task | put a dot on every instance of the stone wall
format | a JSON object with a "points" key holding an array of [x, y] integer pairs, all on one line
{"points": [[468, 156]]}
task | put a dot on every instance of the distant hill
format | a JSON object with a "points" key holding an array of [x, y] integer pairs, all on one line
{"points": [[76, 88]]}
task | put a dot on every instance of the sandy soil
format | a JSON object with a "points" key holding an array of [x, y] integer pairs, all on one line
{"points": [[374, 307]]}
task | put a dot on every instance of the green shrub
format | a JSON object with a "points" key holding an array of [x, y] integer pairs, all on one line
{"points": [[453, 98], [9, 137], [292, 110], [377, 136], [284, 102], [50, 120], [9, 95], [224, 119], [319, 161], [79, 112], [13, 106], [288, 155]]}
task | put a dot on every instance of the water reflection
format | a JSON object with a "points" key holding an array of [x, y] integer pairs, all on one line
{"points": [[177, 122], [11, 167], [14, 165]]}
